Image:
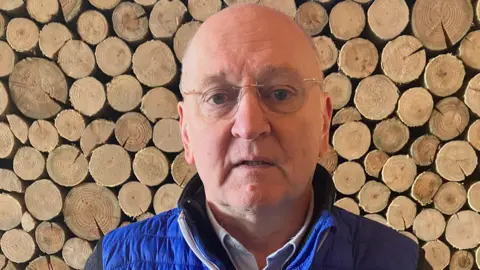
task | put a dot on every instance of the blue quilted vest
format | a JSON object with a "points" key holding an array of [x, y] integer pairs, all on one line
{"points": [[183, 238]]}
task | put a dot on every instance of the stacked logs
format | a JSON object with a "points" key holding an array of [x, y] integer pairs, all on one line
{"points": [[89, 133]]}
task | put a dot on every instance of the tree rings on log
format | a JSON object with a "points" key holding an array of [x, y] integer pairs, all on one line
{"points": [[358, 58], [71, 9], [38, 88], [182, 172], [327, 52], [415, 107], [352, 140], [11, 210], [44, 262], [166, 198], [472, 95], [12, 6], [43, 136], [7, 141], [425, 187], [130, 22], [429, 224], [388, 18], [44, 200], [113, 56], [339, 89], [76, 251], [18, 246], [312, 17], [345, 115], [449, 118], [87, 95], [159, 103], [378, 218], [110, 165], [456, 160], [95, 134], [150, 166], [376, 97], [22, 35], [463, 230], [8, 59], [423, 149], [10, 181], [42, 11], [390, 135], [154, 63], [182, 37], [50, 237], [462, 260], [28, 222], [373, 197], [91, 211], [329, 160], [349, 178], [347, 20], [28, 163], [399, 173], [104, 4], [401, 213], [468, 52], [450, 198], [165, 18], [374, 162], [202, 9], [437, 254], [67, 166], [134, 198], [440, 24], [70, 125], [19, 127], [349, 205], [124, 93], [167, 136], [287, 7], [76, 59], [444, 75], [133, 131], [473, 196], [52, 37], [92, 27]]}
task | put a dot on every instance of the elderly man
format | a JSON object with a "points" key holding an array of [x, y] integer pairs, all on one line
{"points": [[254, 122]]}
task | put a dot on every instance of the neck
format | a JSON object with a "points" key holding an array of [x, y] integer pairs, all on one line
{"points": [[263, 231]]}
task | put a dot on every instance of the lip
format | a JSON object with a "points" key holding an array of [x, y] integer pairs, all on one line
{"points": [[268, 162]]}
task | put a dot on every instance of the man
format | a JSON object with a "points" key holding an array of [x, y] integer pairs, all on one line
{"points": [[254, 122]]}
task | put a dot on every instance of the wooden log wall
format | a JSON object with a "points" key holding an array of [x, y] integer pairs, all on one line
{"points": [[89, 137]]}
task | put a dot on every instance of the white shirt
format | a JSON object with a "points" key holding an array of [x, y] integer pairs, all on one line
{"points": [[242, 259]]}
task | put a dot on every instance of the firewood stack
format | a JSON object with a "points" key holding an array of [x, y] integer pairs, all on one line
{"points": [[90, 141]]}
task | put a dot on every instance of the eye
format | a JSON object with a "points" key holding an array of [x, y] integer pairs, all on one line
{"points": [[281, 94], [218, 99]]}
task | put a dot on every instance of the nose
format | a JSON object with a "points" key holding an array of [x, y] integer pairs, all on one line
{"points": [[250, 121]]}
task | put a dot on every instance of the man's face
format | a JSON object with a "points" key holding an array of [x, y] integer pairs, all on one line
{"points": [[253, 158]]}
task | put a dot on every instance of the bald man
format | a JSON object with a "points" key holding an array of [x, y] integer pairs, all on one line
{"points": [[254, 122]]}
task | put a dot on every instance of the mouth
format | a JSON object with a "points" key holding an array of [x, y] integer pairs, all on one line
{"points": [[254, 163]]}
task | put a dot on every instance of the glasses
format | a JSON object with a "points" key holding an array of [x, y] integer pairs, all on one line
{"points": [[222, 102]]}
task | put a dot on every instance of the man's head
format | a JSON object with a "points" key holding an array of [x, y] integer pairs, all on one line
{"points": [[252, 154]]}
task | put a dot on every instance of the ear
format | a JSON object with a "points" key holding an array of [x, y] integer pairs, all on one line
{"points": [[326, 117], [184, 133]]}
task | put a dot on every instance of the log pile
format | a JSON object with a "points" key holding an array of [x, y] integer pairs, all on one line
{"points": [[89, 136]]}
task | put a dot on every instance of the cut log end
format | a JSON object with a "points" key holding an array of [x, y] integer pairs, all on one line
{"points": [[373, 197], [440, 123], [456, 160], [150, 166], [166, 17], [374, 162], [352, 140], [92, 27], [28, 163], [425, 186], [124, 93], [154, 63], [47, 262], [462, 260], [22, 35], [104, 4], [472, 95], [202, 9], [401, 213], [76, 59], [134, 198], [182, 172], [43, 11], [312, 17], [358, 58], [110, 165], [424, 149], [339, 89], [391, 135], [71, 9], [399, 173], [349, 205], [133, 131], [348, 114], [28, 222], [437, 254], [450, 198], [473, 196], [387, 18], [166, 197], [70, 125], [347, 20], [87, 95], [159, 103], [8, 144], [10, 181], [43, 136], [18, 246], [113, 56], [429, 224], [415, 107], [11, 211], [376, 97], [462, 230], [76, 251], [167, 137], [327, 52], [349, 178], [468, 50], [130, 22], [44, 200], [50, 237], [329, 160], [444, 75], [182, 38], [8, 59], [95, 134], [52, 37], [67, 166]]}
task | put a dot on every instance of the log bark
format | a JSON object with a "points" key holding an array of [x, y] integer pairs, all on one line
{"points": [[43, 136], [154, 63], [159, 103], [28, 163], [472, 95], [5, 104], [71, 9], [130, 22], [182, 172], [450, 198], [95, 134], [28, 222], [468, 52], [133, 131], [462, 260], [444, 75], [456, 160], [441, 24], [374, 161], [104, 4], [113, 56], [347, 20], [18, 246], [473, 196], [10, 181], [462, 230], [91, 211], [399, 172], [8, 59], [401, 213], [182, 38], [44, 200], [43, 11], [76, 251], [327, 51], [11, 209], [150, 166], [167, 137], [424, 149], [8, 143], [349, 178], [48, 262], [166, 198], [388, 18], [110, 165], [351, 140], [87, 95], [437, 254], [22, 35], [134, 198], [358, 58], [425, 186], [3, 25], [329, 160], [311, 17], [92, 27], [165, 19], [70, 125], [373, 197], [50, 237], [38, 88], [348, 204], [449, 118], [391, 135], [202, 9], [124, 93], [345, 115], [76, 59], [52, 37], [339, 88], [429, 224], [376, 97], [415, 107], [67, 166]]}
